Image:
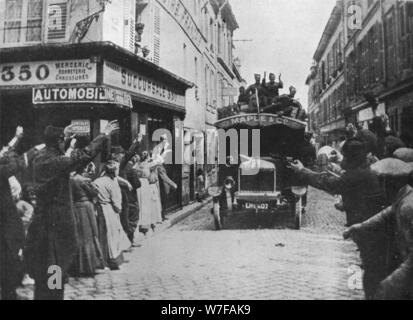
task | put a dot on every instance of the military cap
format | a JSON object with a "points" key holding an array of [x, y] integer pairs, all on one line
{"points": [[391, 167], [404, 154]]}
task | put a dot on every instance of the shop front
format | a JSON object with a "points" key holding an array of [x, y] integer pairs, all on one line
{"points": [[332, 133], [88, 85], [400, 112], [366, 115]]}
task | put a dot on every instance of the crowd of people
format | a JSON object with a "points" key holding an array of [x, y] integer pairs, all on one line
{"points": [[59, 212], [372, 173]]}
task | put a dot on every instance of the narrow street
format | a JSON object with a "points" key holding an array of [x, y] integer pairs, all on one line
{"points": [[192, 261]]}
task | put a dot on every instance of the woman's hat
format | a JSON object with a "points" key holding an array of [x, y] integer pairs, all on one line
{"points": [[111, 166]]}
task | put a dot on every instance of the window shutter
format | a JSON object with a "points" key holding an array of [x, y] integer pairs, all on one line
{"points": [[377, 53], [57, 18], [129, 27], [409, 31], [157, 35]]}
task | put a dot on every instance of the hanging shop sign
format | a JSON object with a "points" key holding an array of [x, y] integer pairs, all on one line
{"points": [[367, 113], [80, 127], [137, 84], [47, 72], [229, 92], [81, 95]]}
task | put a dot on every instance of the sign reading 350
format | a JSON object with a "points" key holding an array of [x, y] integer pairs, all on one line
{"points": [[47, 72]]}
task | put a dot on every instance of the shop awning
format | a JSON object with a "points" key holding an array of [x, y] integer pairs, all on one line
{"points": [[337, 125]]}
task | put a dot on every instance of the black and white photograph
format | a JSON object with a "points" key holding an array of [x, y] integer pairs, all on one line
{"points": [[223, 152]]}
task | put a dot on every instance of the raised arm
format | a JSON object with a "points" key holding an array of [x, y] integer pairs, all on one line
{"points": [[133, 178], [373, 223], [135, 148], [378, 220], [329, 183], [63, 164], [13, 166], [280, 82]]}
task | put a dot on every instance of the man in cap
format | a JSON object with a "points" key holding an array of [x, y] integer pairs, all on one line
{"points": [[256, 86], [52, 239], [362, 198], [242, 97], [252, 92], [399, 284]]}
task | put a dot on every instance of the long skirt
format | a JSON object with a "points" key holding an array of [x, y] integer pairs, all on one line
{"points": [[89, 257], [150, 208], [157, 204], [116, 239]]}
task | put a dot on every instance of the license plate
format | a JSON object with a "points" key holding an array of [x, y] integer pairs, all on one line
{"points": [[257, 206]]}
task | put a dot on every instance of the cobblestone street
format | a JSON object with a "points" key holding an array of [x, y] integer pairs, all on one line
{"points": [[192, 261]]}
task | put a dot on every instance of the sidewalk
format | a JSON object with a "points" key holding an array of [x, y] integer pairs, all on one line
{"points": [[176, 217], [27, 292]]}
